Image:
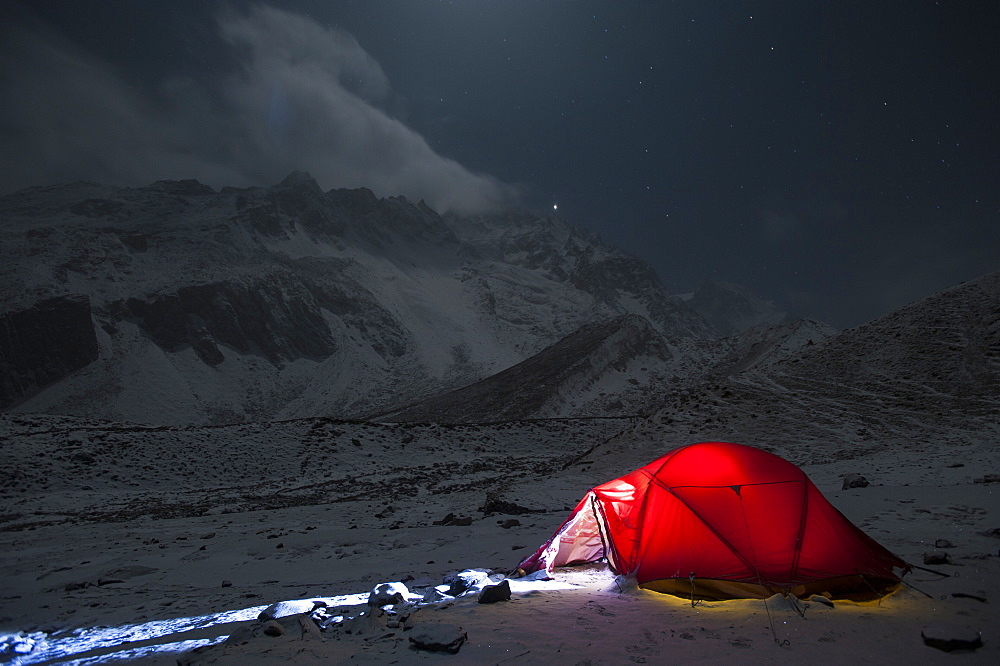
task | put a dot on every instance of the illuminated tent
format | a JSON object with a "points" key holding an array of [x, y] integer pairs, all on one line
{"points": [[720, 521]]}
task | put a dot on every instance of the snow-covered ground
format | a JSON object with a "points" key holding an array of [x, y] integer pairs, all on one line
{"points": [[122, 542]]}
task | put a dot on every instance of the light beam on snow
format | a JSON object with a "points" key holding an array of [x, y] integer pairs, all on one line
{"points": [[104, 645], [128, 642]]}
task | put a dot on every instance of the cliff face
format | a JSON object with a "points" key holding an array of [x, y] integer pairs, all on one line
{"points": [[44, 343]]}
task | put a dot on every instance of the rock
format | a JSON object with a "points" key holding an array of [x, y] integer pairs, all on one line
{"points": [[422, 581], [101, 582], [434, 595], [937, 558], [949, 637], [491, 506], [373, 622], [995, 532], [286, 608], [988, 478], [210, 535], [388, 594], [509, 523], [227, 583], [943, 543], [493, 593], [273, 628], [463, 581], [820, 599], [855, 481], [20, 643], [70, 587], [452, 519], [83, 457], [541, 574], [438, 637]]}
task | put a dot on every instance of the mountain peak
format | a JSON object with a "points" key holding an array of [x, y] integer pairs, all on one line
{"points": [[297, 179]]}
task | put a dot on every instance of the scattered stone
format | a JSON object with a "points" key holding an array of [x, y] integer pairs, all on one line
{"points": [[493, 593], [509, 523], [388, 594], [937, 558], [371, 623], [20, 643], [438, 637], [855, 481], [949, 637], [943, 543]]}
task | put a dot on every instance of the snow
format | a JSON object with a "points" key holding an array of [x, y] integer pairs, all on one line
{"points": [[297, 510]]}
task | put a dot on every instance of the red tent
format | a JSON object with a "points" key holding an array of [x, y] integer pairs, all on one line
{"points": [[719, 521]]}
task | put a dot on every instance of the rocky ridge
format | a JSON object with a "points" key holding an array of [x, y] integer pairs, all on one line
{"points": [[218, 306]]}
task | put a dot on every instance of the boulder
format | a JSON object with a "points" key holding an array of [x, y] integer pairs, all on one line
{"points": [[949, 637], [493, 593], [937, 558], [388, 594], [286, 608], [438, 637], [463, 581], [855, 481]]}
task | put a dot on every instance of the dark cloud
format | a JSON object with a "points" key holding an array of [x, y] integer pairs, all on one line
{"points": [[301, 97]]}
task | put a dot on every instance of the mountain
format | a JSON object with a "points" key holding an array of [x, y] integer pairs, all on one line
{"points": [[611, 368], [732, 308], [928, 373], [176, 303]]}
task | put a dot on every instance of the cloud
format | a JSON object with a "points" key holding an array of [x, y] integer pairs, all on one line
{"points": [[301, 97]]}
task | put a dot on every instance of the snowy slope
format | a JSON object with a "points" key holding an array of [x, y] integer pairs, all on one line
{"points": [[211, 307], [607, 369], [128, 542], [926, 374]]}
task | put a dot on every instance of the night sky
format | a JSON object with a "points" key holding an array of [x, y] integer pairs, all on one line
{"points": [[841, 158]]}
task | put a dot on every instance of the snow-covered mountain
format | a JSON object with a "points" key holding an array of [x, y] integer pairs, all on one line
{"points": [[176, 303], [732, 308], [926, 373]]}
